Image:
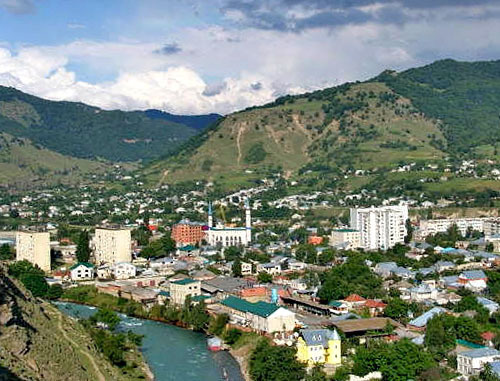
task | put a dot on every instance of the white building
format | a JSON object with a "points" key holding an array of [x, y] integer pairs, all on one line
{"points": [[82, 271], [34, 247], [112, 246], [429, 227], [380, 228], [472, 362], [492, 227], [230, 236], [124, 270]]}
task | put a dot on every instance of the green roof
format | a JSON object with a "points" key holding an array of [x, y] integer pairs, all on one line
{"points": [[86, 264], [468, 344], [199, 298], [263, 309], [345, 230], [335, 303], [185, 281], [188, 248]]}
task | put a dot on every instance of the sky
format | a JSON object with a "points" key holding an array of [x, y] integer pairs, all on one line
{"points": [[203, 56]]}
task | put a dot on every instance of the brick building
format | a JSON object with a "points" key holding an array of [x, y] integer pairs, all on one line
{"points": [[186, 232]]}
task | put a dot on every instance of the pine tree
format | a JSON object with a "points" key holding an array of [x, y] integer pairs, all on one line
{"points": [[83, 247]]}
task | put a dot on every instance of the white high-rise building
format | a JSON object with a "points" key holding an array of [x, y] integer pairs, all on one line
{"points": [[112, 246], [380, 228], [34, 247]]}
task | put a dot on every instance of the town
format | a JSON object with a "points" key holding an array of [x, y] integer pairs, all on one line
{"points": [[334, 289]]}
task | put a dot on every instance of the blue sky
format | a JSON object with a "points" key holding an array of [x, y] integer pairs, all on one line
{"points": [[198, 56]]}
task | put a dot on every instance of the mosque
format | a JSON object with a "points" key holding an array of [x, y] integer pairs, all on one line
{"points": [[224, 235]]}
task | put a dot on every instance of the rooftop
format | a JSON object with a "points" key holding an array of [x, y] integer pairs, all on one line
{"points": [[263, 309], [184, 282], [363, 325]]}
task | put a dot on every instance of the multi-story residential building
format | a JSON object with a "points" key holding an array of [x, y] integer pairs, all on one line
{"points": [[112, 246], [492, 227], [472, 362], [180, 289], [340, 236], [319, 346], [34, 247], [186, 232], [380, 228], [429, 227]]}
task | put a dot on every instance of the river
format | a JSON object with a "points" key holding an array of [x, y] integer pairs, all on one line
{"points": [[172, 353]]}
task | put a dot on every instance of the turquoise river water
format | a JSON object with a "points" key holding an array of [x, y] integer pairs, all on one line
{"points": [[171, 352]]}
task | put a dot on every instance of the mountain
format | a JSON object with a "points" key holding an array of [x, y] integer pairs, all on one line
{"points": [[421, 115], [37, 342], [86, 132], [198, 122]]}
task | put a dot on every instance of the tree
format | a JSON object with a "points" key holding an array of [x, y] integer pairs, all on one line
{"points": [[275, 363], [489, 247], [55, 292], [218, 324], [108, 317], [35, 283], [264, 277], [6, 252], [396, 308], [306, 253], [316, 374], [236, 268], [487, 374], [409, 231], [83, 247]]}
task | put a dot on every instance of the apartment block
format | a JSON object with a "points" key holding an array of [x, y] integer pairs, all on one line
{"points": [[34, 247], [341, 236], [429, 227], [381, 227], [112, 246]]}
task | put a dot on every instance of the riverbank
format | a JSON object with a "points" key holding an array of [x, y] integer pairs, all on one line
{"points": [[172, 353]]}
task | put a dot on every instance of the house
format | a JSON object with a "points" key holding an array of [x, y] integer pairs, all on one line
{"points": [[82, 271], [246, 268], [124, 270], [354, 301], [375, 307], [472, 362], [473, 279], [260, 316], [422, 292], [270, 268], [443, 266], [420, 322], [490, 305], [319, 346], [180, 289], [104, 272], [385, 269], [295, 265]]}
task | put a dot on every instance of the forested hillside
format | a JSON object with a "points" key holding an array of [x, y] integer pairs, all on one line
{"points": [[82, 131]]}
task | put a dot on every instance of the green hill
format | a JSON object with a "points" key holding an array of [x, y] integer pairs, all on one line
{"points": [[421, 115], [82, 131]]}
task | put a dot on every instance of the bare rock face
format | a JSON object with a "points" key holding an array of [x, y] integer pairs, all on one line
{"points": [[6, 313]]}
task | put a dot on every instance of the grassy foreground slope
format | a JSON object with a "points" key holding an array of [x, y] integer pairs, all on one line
{"points": [[38, 342]]}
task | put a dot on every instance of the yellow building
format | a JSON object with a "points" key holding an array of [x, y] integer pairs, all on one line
{"points": [[319, 346], [34, 247], [112, 246]]}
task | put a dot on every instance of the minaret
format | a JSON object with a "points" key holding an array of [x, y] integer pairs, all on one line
{"points": [[248, 221], [210, 217]]}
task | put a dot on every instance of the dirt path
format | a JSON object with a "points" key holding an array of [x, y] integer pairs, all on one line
{"points": [[163, 177], [238, 143], [97, 371]]}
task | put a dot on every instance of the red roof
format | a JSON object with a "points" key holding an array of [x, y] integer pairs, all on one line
{"points": [[255, 291], [488, 336], [370, 303], [354, 298]]}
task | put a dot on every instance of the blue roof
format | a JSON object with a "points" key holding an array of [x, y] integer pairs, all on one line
{"points": [[480, 352], [495, 367], [474, 274], [486, 302], [423, 319], [319, 336]]}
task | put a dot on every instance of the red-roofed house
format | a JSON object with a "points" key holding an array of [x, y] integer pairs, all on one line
{"points": [[375, 307], [354, 301]]}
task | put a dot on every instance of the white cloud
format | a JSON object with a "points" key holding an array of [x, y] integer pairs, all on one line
{"points": [[216, 69]]}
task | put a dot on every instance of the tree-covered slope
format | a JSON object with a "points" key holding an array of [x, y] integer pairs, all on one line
{"points": [[79, 130], [465, 96]]}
